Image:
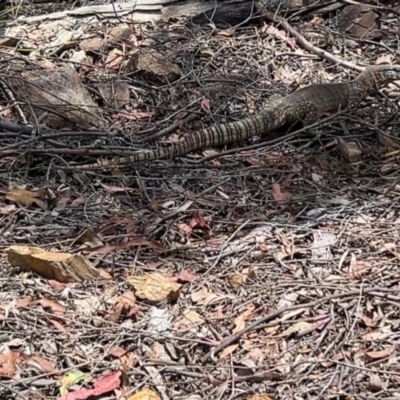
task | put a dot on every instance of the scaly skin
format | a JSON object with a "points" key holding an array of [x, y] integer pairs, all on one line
{"points": [[306, 105]]}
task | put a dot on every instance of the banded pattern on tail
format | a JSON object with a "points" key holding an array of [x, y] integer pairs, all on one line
{"points": [[214, 136], [305, 105]]}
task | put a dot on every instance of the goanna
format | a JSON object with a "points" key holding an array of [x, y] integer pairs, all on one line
{"points": [[306, 106]]}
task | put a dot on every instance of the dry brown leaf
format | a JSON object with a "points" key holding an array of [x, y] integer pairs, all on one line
{"points": [[239, 323], [371, 336], [281, 34], [236, 280], [114, 59], [186, 276], [228, 350], [155, 65], [257, 355], [62, 267], [155, 287], [117, 351], [56, 307], [300, 327], [259, 397], [185, 228], [145, 394], [376, 355], [27, 197], [279, 196], [375, 383], [58, 325], [368, 321], [45, 365]]}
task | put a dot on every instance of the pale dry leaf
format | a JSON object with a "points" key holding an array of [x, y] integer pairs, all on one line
{"points": [[155, 287], [56, 307], [27, 197], [228, 350], [278, 195], [193, 317], [259, 397], [376, 355], [385, 58], [299, 328], [62, 267], [376, 335], [375, 383], [239, 323], [7, 209]]}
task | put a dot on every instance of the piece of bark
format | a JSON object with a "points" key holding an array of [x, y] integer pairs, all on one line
{"points": [[57, 98]]}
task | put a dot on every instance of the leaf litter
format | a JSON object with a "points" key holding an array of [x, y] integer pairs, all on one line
{"points": [[289, 234]]}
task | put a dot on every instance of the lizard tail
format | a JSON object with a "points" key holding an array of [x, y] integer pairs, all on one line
{"points": [[214, 136]]}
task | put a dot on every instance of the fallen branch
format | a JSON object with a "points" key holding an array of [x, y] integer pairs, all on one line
{"points": [[303, 41]]}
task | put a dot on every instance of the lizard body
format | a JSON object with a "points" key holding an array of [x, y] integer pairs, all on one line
{"points": [[306, 105]]}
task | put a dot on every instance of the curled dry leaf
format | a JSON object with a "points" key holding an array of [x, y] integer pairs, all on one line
{"points": [[236, 280], [228, 350], [155, 287], [57, 308], [28, 197], [375, 383], [62, 267], [279, 196]]}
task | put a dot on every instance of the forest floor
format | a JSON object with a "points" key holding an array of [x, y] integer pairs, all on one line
{"points": [[286, 231]]}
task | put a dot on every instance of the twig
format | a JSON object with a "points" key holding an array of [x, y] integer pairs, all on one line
{"points": [[304, 42], [269, 317]]}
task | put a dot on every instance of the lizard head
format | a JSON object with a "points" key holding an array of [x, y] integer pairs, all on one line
{"points": [[374, 78], [386, 74]]}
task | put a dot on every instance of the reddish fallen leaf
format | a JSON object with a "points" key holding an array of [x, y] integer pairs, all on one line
{"points": [[186, 276], [56, 307], [205, 104], [228, 350], [281, 34], [46, 365], [8, 363], [25, 301], [103, 385], [370, 336], [58, 325], [368, 321], [376, 355], [278, 195], [117, 351], [185, 228], [198, 222], [57, 286], [116, 223]]}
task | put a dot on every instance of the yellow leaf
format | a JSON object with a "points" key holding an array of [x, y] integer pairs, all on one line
{"points": [[145, 394], [155, 287], [70, 379]]}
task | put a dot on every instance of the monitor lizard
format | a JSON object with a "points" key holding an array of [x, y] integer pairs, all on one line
{"points": [[305, 105]]}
